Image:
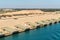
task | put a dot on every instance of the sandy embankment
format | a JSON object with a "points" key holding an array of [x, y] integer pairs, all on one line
{"points": [[10, 22]]}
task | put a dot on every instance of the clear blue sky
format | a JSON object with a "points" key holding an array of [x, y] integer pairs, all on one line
{"points": [[29, 3]]}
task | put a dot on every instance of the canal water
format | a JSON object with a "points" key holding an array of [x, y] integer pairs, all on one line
{"points": [[51, 32]]}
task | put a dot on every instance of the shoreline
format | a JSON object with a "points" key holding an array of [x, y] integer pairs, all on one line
{"points": [[14, 22]]}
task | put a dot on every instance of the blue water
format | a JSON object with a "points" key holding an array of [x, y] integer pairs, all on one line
{"points": [[51, 32]]}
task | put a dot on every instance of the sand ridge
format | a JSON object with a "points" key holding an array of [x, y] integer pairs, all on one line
{"points": [[32, 16]]}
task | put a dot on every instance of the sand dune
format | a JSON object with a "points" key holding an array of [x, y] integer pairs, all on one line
{"points": [[23, 20]]}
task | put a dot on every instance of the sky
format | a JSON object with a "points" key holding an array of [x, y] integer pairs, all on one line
{"points": [[29, 3]]}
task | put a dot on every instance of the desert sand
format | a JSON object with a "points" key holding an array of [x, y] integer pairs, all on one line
{"points": [[26, 19]]}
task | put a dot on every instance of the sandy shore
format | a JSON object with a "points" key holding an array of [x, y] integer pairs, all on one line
{"points": [[21, 22]]}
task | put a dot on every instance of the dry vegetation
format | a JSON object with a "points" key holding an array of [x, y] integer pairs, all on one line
{"points": [[13, 10]]}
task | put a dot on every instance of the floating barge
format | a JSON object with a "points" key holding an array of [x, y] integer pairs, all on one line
{"points": [[20, 21]]}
